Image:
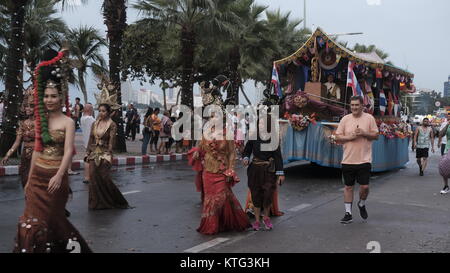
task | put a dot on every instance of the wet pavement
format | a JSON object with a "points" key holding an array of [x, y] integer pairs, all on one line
{"points": [[406, 213]]}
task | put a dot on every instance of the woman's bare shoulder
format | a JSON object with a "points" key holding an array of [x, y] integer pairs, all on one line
{"points": [[68, 121]]}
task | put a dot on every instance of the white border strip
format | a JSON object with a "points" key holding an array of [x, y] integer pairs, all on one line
{"points": [[121, 161], [11, 170], [206, 245], [130, 192], [299, 207], [138, 160]]}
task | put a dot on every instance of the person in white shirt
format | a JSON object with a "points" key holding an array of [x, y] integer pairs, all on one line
{"points": [[333, 90], [86, 122], [443, 139]]}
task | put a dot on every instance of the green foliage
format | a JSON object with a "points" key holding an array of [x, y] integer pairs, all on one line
{"points": [[84, 45], [149, 52]]}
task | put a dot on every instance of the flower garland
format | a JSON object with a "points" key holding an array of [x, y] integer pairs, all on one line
{"points": [[300, 122], [391, 129], [42, 135]]}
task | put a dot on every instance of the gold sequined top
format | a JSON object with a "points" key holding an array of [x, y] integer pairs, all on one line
{"points": [[220, 155], [101, 142], [53, 153], [26, 131]]}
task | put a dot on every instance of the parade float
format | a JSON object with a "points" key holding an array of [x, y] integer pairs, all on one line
{"points": [[316, 84]]}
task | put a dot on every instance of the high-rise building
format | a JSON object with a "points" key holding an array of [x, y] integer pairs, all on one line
{"points": [[447, 88]]}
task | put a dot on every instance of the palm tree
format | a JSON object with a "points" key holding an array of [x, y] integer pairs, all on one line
{"points": [[287, 35], [192, 18], [371, 48], [15, 10], [250, 44], [42, 30], [85, 44], [114, 13], [164, 85]]}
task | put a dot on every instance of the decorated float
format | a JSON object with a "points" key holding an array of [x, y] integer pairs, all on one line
{"points": [[316, 84]]}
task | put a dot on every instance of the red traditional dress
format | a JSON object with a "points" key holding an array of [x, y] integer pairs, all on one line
{"points": [[221, 210]]}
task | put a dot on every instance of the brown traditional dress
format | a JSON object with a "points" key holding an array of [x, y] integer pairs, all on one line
{"points": [[103, 194], [26, 130], [44, 226]]}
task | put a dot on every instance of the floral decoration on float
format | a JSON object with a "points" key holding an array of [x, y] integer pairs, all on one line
{"points": [[299, 121]]}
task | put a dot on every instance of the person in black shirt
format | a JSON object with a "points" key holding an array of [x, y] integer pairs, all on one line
{"points": [[131, 117], [264, 173]]}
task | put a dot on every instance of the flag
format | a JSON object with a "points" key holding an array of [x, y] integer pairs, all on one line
{"points": [[371, 103], [352, 81], [383, 102], [390, 105], [379, 74], [396, 106], [276, 81]]}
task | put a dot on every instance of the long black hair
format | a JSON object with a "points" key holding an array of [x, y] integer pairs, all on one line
{"points": [[149, 112]]}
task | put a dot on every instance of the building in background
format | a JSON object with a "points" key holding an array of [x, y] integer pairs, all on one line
{"points": [[447, 88]]}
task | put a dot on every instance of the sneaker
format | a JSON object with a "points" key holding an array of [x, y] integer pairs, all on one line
{"points": [[255, 226], [445, 190], [421, 172], [267, 223], [347, 218], [363, 212]]}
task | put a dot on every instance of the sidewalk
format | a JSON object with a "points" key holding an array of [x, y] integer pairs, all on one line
{"points": [[133, 156]]}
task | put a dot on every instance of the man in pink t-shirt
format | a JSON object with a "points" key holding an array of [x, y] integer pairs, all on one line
{"points": [[356, 131]]}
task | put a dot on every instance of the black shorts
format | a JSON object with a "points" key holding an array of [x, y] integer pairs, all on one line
{"points": [[421, 152], [359, 173]]}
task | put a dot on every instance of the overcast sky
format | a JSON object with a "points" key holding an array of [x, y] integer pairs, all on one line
{"points": [[415, 33]]}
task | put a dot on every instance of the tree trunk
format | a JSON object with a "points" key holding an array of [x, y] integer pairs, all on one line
{"points": [[81, 73], [114, 12], [188, 45], [14, 76], [164, 94], [234, 62]]}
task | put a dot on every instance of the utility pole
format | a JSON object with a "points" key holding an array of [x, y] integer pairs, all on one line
{"points": [[304, 14]]}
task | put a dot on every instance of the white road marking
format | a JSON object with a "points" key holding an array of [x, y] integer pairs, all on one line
{"points": [[299, 207], [206, 245], [130, 192]]}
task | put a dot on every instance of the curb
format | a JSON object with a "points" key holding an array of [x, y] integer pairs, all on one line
{"points": [[121, 161]]}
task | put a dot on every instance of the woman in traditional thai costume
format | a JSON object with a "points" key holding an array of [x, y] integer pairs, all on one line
{"points": [[25, 134], [44, 227], [264, 173], [103, 194], [221, 210]]}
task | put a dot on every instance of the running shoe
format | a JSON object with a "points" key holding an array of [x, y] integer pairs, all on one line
{"points": [[363, 212], [255, 226], [267, 223], [445, 190], [347, 218]]}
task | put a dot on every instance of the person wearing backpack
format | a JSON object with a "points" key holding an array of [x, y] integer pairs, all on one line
{"points": [[165, 134]]}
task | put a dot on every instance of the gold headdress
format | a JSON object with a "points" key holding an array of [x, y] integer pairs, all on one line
{"points": [[104, 97]]}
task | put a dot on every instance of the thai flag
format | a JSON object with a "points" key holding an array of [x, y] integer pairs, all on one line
{"points": [[352, 81], [396, 106], [276, 81], [383, 102]]}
